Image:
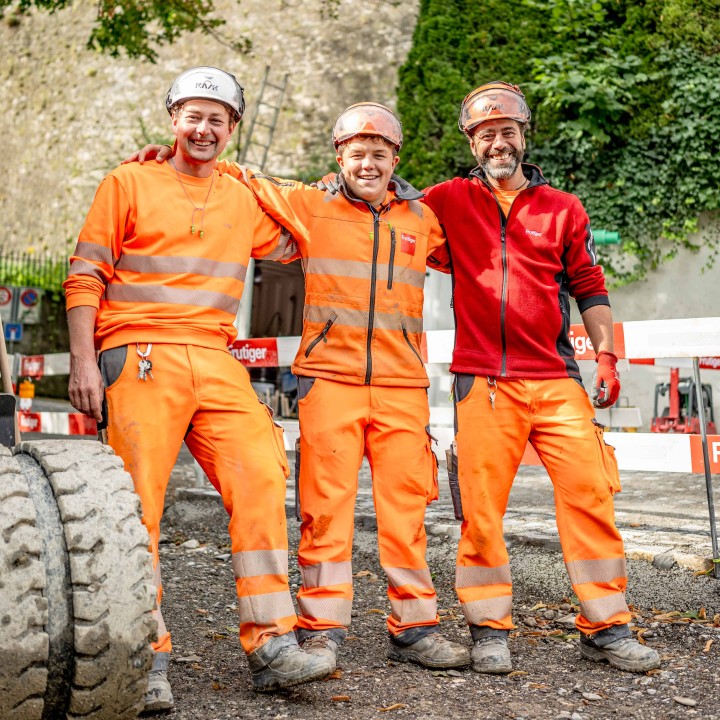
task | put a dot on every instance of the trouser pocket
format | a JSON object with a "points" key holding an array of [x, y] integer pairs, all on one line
{"points": [[452, 469], [298, 515], [608, 461], [433, 488], [278, 438]]}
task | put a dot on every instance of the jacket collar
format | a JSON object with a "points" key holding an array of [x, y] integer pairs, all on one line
{"points": [[531, 172], [402, 188]]}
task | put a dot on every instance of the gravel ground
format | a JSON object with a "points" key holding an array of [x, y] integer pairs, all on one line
{"points": [[211, 681]]}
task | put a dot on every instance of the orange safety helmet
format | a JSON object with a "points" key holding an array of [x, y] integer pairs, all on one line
{"points": [[493, 101], [368, 118]]}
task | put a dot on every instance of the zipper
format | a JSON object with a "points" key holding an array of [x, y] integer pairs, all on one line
{"points": [[373, 280], [392, 257], [503, 296], [322, 336], [412, 347]]}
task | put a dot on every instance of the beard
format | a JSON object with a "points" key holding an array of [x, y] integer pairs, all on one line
{"points": [[504, 171]]}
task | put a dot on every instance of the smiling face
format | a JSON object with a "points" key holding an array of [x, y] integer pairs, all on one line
{"points": [[202, 129], [499, 147], [367, 163]]}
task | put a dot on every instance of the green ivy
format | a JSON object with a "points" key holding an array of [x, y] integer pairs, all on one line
{"points": [[625, 99]]}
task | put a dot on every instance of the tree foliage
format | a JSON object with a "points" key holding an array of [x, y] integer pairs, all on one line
{"points": [[138, 27], [625, 98]]}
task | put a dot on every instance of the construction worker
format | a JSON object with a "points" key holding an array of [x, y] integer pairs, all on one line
{"points": [[519, 250], [154, 286], [362, 385]]}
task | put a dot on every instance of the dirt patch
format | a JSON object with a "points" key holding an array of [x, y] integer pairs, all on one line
{"points": [[211, 681]]}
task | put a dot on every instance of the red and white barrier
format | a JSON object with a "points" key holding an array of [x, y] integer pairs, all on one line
{"points": [[671, 343]]}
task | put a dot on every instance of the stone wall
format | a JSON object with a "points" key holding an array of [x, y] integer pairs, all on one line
{"points": [[74, 113]]}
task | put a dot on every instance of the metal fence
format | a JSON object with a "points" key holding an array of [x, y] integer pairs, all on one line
{"points": [[40, 270]]}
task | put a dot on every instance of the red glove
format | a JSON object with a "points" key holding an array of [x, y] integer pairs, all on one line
{"points": [[607, 381]]}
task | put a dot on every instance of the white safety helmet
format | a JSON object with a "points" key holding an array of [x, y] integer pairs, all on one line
{"points": [[207, 83]]}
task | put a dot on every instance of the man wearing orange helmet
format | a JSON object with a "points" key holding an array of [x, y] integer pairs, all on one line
{"points": [[519, 250], [362, 384]]}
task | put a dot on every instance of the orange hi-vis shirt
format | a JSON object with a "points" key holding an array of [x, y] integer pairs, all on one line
{"points": [[150, 278], [364, 278]]}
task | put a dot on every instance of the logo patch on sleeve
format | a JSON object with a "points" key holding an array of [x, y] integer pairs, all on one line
{"points": [[407, 243]]}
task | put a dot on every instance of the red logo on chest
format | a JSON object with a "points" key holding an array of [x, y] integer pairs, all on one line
{"points": [[407, 243]]}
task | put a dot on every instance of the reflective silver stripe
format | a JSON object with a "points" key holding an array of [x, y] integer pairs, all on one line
{"points": [[479, 612], [335, 266], [162, 628], [265, 609], [324, 574], [94, 252], [598, 571], [82, 267], [172, 296], [252, 563], [363, 270], [157, 614], [476, 576], [397, 577], [286, 248], [169, 265], [604, 608], [335, 609], [415, 610], [359, 318]]}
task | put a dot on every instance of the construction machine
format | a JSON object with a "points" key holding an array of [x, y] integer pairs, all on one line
{"points": [[681, 413]]}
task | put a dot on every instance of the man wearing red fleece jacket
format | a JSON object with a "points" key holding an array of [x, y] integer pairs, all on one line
{"points": [[519, 250]]}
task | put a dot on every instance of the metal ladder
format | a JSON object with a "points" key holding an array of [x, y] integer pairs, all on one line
{"points": [[267, 109]]}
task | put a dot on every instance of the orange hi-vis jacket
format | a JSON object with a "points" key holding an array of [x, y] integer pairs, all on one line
{"points": [[364, 278], [151, 278]]}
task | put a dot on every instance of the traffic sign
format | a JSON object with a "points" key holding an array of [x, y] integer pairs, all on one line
{"points": [[29, 305], [6, 298], [13, 332]]}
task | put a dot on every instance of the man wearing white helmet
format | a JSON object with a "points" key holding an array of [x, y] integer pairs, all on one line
{"points": [[362, 385], [520, 249], [154, 286]]}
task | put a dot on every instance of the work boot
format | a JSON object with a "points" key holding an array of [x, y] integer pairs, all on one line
{"points": [[280, 663], [322, 643], [491, 655], [430, 651], [620, 649], [159, 697]]}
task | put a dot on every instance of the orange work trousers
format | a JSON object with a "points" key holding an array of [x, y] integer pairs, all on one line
{"points": [[339, 423], [556, 417], [205, 397]]}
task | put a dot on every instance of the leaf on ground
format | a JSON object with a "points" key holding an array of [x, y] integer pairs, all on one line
{"points": [[362, 573], [640, 637], [537, 607], [667, 617], [516, 673], [538, 686], [336, 675], [188, 659], [375, 611], [655, 671], [340, 698], [395, 706], [708, 645], [232, 628]]}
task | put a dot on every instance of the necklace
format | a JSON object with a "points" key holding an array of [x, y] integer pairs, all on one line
{"points": [[520, 187], [196, 209]]}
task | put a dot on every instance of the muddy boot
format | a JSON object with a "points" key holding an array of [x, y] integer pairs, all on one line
{"points": [[323, 643], [490, 653], [616, 646], [430, 651], [280, 663], [159, 697]]}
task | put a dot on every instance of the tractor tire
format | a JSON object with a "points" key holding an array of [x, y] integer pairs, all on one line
{"points": [[96, 581]]}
